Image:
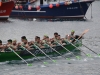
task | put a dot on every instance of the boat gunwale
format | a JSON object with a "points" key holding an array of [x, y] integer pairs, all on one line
{"points": [[43, 48]]}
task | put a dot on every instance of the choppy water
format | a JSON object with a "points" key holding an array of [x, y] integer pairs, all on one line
{"points": [[16, 28]]}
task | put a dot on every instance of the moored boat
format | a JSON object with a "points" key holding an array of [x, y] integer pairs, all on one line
{"points": [[51, 9], [5, 9], [9, 55]]}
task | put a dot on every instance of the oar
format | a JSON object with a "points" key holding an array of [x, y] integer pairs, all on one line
{"points": [[67, 49], [84, 32], [33, 54], [45, 54], [91, 49], [20, 57], [78, 48], [55, 50], [83, 44]]}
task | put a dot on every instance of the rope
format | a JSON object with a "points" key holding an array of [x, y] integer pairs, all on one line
{"points": [[81, 9]]}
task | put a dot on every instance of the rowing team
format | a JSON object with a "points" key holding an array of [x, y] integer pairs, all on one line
{"points": [[45, 42]]}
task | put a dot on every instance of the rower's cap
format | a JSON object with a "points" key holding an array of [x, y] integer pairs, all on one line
{"points": [[14, 40], [46, 35], [72, 31]]}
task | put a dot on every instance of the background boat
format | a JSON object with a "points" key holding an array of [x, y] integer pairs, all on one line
{"points": [[57, 9], [5, 9]]}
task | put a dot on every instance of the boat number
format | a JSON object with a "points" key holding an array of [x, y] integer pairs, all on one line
{"points": [[2, 11], [72, 8]]}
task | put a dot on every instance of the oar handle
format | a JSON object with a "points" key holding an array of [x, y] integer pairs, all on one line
{"points": [[19, 56], [34, 55], [65, 48], [45, 54]]}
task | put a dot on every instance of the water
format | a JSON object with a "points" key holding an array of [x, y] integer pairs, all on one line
{"points": [[16, 28]]}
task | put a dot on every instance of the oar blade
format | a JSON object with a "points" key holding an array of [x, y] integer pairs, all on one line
{"points": [[29, 64], [78, 57], [67, 58], [89, 55], [54, 61], [98, 54], [45, 62]]}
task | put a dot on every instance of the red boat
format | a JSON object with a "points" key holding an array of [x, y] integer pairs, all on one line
{"points": [[6, 9]]}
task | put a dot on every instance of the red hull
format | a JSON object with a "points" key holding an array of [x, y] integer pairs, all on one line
{"points": [[6, 9]]}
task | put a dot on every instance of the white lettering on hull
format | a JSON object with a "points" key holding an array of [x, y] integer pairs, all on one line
{"points": [[72, 8], [2, 11]]}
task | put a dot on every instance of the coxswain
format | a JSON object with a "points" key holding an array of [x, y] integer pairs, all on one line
{"points": [[71, 36]]}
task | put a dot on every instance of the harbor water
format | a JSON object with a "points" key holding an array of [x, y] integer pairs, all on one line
{"points": [[15, 28]]}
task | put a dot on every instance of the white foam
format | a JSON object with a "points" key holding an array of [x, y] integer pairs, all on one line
{"points": [[43, 66]]}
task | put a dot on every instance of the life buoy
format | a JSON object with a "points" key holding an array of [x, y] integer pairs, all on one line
{"points": [[57, 5], [16, 7], [38, 8], [21, 7], [29, 7], [51, 6]]}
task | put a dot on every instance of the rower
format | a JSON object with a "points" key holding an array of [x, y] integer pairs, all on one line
{"points": [[9, 44], [55, 35], [58, 39], [14, 44], [46, 41], [71, 36], [38, 42], [23, 38], [24, 43], [2, 47]]}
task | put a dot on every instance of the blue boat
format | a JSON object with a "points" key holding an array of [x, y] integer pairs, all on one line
{"points": [[57, 9]]}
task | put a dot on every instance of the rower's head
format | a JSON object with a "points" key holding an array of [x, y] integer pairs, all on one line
{"points": [[14, 41], [44, 37], [9, 41], [25, 41], [36, 37], [59, 37], [23, 38], [0, 42], [72, 32], [55, 34], [47, 38]]}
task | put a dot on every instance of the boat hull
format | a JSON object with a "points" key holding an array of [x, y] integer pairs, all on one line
{"points": [[9, 56], [74, 10], [5, 10]]}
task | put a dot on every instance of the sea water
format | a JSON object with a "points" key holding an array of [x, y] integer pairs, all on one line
{"points": [[15, 28]]}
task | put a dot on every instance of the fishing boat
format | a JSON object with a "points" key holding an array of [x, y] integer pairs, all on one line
{"points": [[10, 55], [5, 9], [51, 9]]}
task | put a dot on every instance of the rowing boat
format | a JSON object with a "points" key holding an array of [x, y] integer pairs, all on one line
{"points": [[10, 55]]}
